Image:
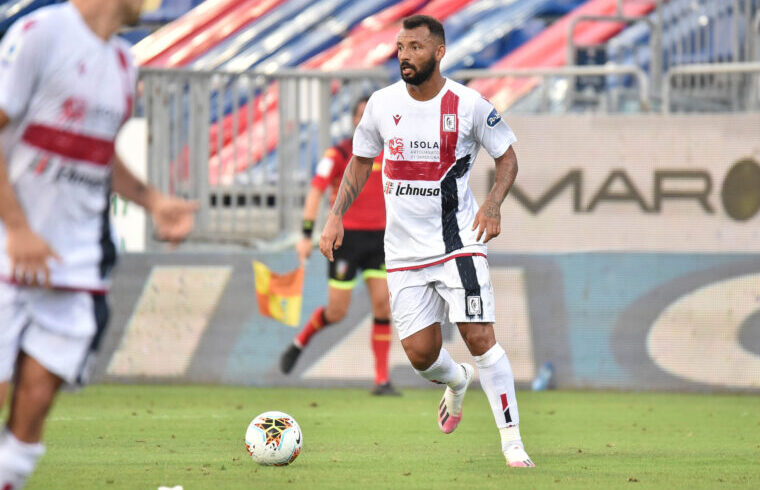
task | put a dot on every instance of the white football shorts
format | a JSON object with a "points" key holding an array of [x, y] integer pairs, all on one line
{"points": [[420, 297], [54, 327]]}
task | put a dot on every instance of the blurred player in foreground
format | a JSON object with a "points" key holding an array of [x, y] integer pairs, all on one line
{"points": [[431, 129], [66, 87], [362, 249]]}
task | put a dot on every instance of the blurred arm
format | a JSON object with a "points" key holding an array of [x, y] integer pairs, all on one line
{"points": [[28, 252], [10, 210], [125, 184], [173, 217]]}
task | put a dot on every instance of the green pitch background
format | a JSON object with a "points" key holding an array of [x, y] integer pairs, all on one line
{"points": [[146, 436]]}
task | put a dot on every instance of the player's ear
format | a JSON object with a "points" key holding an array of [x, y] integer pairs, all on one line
{"points": [[440, 51]]}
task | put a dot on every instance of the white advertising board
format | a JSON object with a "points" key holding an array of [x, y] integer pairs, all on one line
{"points": [[631, 183]]}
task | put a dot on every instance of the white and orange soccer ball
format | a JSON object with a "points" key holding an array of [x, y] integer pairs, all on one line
{"points": [[274, 439]]}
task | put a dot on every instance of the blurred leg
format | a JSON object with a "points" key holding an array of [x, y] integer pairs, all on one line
{"points": [[20, 446], [33, 395]]}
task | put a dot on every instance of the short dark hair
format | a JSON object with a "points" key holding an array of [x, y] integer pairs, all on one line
{"points": [[433, 25]]}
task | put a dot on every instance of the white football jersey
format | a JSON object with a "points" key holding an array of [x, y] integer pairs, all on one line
{"points": [[67, 93], [430, 148]]}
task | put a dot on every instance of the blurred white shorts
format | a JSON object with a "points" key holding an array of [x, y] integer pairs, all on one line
{"points": [[54, 327], [421, 297]]}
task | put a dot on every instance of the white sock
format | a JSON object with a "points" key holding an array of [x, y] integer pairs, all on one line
{"points": [[510, 436], [17, 460], [498, 382], [445, 371]]}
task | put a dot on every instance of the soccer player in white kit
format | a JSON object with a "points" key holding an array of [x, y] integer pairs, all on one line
{"points": [[431, 129], [66, 87]]}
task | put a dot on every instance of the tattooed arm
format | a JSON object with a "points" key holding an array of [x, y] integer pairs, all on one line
{"points": [[354, 178], [488, 218]]}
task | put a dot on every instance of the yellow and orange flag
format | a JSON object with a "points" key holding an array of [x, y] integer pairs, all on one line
{"points": [[280, 295]]}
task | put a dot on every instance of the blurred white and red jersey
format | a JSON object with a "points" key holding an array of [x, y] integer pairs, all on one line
{"points": [[67, 93], [430, 148]]}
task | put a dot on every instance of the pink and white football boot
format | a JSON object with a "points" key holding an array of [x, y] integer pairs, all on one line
{"points": [[517, 457], [450, 409]]}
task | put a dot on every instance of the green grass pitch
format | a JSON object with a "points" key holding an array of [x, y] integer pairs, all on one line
{"points": [[145, 436]]}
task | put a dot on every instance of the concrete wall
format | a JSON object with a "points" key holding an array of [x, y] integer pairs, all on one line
{"points": [[605, 320]]}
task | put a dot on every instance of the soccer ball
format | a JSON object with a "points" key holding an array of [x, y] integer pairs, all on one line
{"points": [[273, 438]]}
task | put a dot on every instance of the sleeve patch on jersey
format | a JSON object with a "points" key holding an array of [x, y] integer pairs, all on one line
{"points": [[493, 118], [10, 54]]}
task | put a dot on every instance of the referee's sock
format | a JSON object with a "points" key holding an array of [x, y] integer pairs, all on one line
{"points": [[381, 346], [316, 322]]}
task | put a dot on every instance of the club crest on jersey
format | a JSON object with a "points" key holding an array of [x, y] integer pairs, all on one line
{"points": [[450, 123], [474, 306], [74, 109], [396, 118], [396, 147], [493, 118]]}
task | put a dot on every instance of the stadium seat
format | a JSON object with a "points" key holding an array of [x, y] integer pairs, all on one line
{"points": [[495, 30], [249, 36], [549, 49], [201, 29], [355, 51], [163, 11], [13, 9]]}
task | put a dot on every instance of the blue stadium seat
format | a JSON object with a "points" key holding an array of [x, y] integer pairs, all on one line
{"points": [[318, 12], [315, 16], [325, 35], [479, 11], [11, 10], [681, 24], [134, 36], [495, 28], [249, 36], [169, 10]]}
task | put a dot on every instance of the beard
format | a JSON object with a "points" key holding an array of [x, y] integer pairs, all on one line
{"points": [[420, 75]]}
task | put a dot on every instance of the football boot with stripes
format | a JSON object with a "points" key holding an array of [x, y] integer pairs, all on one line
{"points": [[450, 408], [517, 457]]}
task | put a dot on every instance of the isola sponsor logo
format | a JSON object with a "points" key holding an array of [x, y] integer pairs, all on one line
{"points": [[425, 145], [394, 188]]}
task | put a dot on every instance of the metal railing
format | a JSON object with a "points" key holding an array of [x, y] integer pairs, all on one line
{"points": [[245, 144], [754, 46], [681, 32], [547, 74], [655, 39], [751, 97]]}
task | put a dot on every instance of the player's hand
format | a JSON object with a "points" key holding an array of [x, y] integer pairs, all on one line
{"points": [[304, 248], [29, 255], [332, 236], [487, 221], [173, 218]]}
